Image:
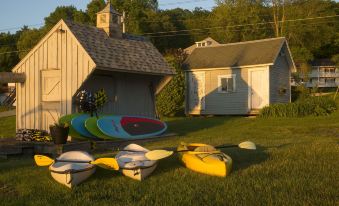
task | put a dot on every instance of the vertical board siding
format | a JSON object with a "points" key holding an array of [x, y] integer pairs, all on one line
{"points": [[57, 51], [26, 95], [131, 92], [64, 73], [36, 91], [69, 74], [31, 111], [280, 78]]}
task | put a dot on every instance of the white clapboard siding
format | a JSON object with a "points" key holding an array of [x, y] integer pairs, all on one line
{"points": [[59, 51]]}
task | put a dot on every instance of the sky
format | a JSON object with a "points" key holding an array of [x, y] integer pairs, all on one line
{"points": [[17, 13]]}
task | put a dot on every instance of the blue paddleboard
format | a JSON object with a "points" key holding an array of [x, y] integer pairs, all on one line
{"points": [[78, 123], [131, 127]]}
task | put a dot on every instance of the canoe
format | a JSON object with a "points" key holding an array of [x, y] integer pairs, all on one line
{"points": [[133, 163], [72, 174], [78, 123], [205, 159], [131, 127]]}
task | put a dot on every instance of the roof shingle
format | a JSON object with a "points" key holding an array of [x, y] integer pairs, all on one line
{"points": [[128, 54], [236, 54]]}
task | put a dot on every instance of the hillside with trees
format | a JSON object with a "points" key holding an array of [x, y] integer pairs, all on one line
{"points": [[311, 27]]}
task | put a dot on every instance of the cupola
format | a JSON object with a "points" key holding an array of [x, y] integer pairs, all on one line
{"points": [[109, 20]]}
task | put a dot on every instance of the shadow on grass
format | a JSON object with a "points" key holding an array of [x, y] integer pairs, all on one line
{"points": [[243, 159], [183, 126]]}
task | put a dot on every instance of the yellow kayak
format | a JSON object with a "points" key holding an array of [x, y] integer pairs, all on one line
{"points": [[205, 159]]}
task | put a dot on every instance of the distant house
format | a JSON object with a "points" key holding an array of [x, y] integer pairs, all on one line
{"points": [[324, 73], [73, 57], [205, 42], [238, 78]]}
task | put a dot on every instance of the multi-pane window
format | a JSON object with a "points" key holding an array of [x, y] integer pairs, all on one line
{"points": [[226, 83]]}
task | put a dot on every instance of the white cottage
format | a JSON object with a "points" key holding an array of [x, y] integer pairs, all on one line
{"points": [[238, 78], [72, 57]]}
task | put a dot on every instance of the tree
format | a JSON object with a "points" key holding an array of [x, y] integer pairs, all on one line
{"points": [[171, 99], [28, 39], [93, 8], [67, 13], [239, 21], [8, 59]]}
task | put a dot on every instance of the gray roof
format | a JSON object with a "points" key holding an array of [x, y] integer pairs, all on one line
{"points": [[190, 49], [127, 54], [236, 54]]}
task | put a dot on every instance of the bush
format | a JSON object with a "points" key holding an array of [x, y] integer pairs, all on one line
{"points": [[171, 99], [317, 106]]}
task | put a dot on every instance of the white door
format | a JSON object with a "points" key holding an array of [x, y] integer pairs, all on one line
{"points": [[196, 91], [50, 97], [258, 88]]}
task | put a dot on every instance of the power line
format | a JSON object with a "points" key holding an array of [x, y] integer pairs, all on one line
{"points": [[234, 30], [182, 2], [19, 51], [240, 25], [166, 33]]}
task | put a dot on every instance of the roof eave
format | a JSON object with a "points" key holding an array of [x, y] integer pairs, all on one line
{"points": [[134, 72], [227, 67]]}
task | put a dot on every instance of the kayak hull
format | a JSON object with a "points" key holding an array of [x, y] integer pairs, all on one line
{"points": [[209, 162], [134, 164], [139, 174], [71, 180], [71, 174]]}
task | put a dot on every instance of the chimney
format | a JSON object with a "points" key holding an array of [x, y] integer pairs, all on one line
{"points": [[110, 21]]}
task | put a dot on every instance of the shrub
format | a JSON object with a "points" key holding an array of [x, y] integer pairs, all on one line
{"points": [[170, 101], [317, 106]]}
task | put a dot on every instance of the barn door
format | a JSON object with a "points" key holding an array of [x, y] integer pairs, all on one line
{"points": [[196, 91], [50, 97]]}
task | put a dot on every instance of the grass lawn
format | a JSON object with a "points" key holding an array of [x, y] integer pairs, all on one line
{"points": [[7, 127], [296, 164]]}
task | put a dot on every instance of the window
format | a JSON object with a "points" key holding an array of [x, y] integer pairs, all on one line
{"points": [[201, 44], [226, 83]]}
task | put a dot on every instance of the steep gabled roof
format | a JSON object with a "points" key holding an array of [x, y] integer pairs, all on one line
{"points": [[236, 54], [129, 54]]}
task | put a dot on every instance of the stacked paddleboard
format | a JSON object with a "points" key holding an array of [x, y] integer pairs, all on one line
{"points": [[113, 126]]}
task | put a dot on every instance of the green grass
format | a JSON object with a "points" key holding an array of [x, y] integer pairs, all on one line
{"points": [[296, 164], [7, 127], [5, 108]]}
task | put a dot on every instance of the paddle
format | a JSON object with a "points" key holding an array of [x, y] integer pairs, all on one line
{"points": [[107, 163], [160, 154]]}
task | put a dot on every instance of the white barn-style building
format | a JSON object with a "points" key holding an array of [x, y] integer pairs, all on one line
{"points": [[72, 57]]}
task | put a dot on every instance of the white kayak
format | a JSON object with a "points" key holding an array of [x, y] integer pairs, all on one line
{"points": [[71, 173], [134, 164]]}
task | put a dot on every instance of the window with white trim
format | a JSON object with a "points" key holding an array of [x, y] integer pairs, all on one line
{"points": [[226, 83]]}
